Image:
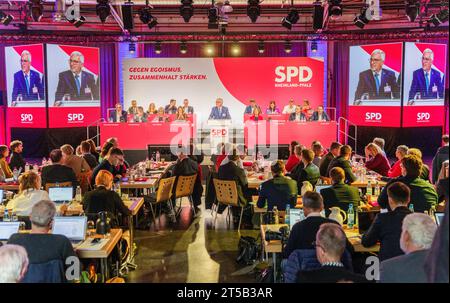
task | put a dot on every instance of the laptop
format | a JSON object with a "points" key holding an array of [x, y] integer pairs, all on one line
{"points": [[439, 217], [7, 229], [1, 195], [365, 220], [74, 228], [320, 187], [295, 215], [60, 194]]}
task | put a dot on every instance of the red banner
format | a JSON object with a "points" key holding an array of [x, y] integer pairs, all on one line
{"points": [[414, 116], [381, 116], [73, 116], [26, 117], [2, 125]]}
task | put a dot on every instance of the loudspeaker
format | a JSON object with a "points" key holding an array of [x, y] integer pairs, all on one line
{"points": [[127, 16], [318, 16]]}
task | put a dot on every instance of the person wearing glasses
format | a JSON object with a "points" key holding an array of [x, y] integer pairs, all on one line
{"points": [[377, 82], [28, 84], [113, 159], [76, 83]]}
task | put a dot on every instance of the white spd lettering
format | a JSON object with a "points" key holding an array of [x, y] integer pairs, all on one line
{"points": [[288, 73], [423, 116], [75, 117], [26, 117], [373, 116]]}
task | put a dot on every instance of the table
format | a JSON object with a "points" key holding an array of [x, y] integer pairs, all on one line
{"points": [[9, 186], [363, 183], [134, 205], [273, 246]]}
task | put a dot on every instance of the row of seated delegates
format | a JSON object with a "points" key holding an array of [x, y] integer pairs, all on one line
{"points": [[16, 160]]}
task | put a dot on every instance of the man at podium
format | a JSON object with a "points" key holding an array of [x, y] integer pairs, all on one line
{"points": [[219, 112]]}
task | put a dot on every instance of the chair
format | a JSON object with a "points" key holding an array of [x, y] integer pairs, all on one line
{"points": [[61, 184], [48, 272], [226, 193], [185, 188], [84, 179], [164, 194]]}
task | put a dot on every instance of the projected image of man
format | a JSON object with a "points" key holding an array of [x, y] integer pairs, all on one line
{"points": [[27, 82]]}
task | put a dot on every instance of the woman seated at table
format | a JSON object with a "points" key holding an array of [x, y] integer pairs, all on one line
{"points": [[152, 109], [102, 198], [298, 115], [5, 171], [256, 116], [161, 116], [307, 109], [320, 115], [181, 115], [141, 116], [375, 160], [272, 109]]}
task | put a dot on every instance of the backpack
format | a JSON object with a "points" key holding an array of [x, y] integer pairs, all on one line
{"points": [[248, 250]]}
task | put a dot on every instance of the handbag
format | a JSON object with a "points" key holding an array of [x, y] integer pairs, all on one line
{"points": [[248, 250]]}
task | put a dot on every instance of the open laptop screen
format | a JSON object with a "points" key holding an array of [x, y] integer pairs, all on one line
{"points": [[1, 195], [439, 217], [73, 228], [60, 194], [295, 215], [320, 187], [7, 229]]}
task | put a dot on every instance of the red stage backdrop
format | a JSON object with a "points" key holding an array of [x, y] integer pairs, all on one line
{"points": [[375, 101]]}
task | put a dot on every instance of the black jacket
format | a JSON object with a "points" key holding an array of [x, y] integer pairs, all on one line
{"points": [[323, 166], [278, 192], [104, 165], [91, 160], [441, 155], [231, 171], [57, 173], [345, 165], [329, 274], [309, 173], [386, 228], [340, 195], [17, 161]]}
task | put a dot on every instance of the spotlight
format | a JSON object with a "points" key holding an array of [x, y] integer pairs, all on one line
{"points": [[291, 19], [103, 10], [146, 17], [253, 10], [361, 20], [261, 47], [235, 49], [314, 46], [209, 49], [318, 16], [132, 47], [288, 47], [227, 8], [78, 22], [153, 22], [158, 49], [412, 9], [5, 19], [335, 8], [186, 10], [183, 47], [37, 9], [440, 17], [72, 15], [213, 18]]}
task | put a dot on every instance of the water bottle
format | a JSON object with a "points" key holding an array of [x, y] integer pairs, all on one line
{"points": [[369, 190], [350, 216], [411, 207], [78, 197], [377, 189], [6, 217], [287, 219], [275, 214], [158, 157], [117, 189]]}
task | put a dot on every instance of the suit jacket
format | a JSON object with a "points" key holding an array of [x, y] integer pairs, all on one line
{"points": [[249, 109], [292, 117], [17, 161], [169, 110], [345, 165], [323, 165], [405, 269], [190, 110], [418, 85], [132, 110], [315, 116], [231, 171], [20, 87], [123, 116], [310, 173], [214, 115], [441, 155], [386, 228], [278, 192], [58, 173], [329, 274], [379, 164], [367, 85], [67, 85], [340, 195]]}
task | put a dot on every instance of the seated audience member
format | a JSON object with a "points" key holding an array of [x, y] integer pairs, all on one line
{"points": [[161, 116], [152, 109], [13, 263], [310, 171], [119, 115], [78, 164], [4, 167], [375, 160], [181, 115], [78, 151], [188, 110], [256, 115], [219, 112], [231, 171], [102, 198], [87, 156], [272, 109], [339, 194], [57, 247], [57, 172], [242, 151], [133, 109], [93, 149], [423, 194], [320, 115], [298, 115], [335, 149], [307, 109], [295, 157], [140, 116], [279, 190], [171, 108], [396, 171], [343, 161], [441, 155], [29, 194], [317, 148], [425, 171], [105, 149], [250, 109], [226, 150], [112, 159], [114, 141], [16, 161], [418, 231], [220, 150], [380, 143], [330, 246], [290, 108], [386, 227]]}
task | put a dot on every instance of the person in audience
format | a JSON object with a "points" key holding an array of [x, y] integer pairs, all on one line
{"points": [[188, 110], [279, 190], [330, 246], [320, 115], [102, 198], [112, 159], [219, 112], [220, 150], [317, 148], [140, 116], [418, 231], [4, 167], [161, 116], [343, 161], [29, 194], [152, 109], [272, 109], [242, 151], [290, 108], [57, 172], [119, 115], [335, 149], [375, 160], [133, 109], [93, 149], [171, 108], [425, 171], [396, 171], [307, 110], [298, 115], [294, 158], [250, 109], [380, 143], [440, 157], [339, 194], [423, 194], [78, 164], [231, 171], [114, 141], [105, 149], [386, 227], [16, 161], [227, 149], [87, 156], [310, 171], [41, 245], [181, 115], [13, 263], [78, 152], [256, 116]]}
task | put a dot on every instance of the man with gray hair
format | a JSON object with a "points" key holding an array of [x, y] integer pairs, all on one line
{"points": [[426, 81], [417, 236], [27, 82], [13, 263], [377, 82], [76, 83], [330, 246]]}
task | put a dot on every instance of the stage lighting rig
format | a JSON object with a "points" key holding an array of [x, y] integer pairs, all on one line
{"points": [[158, 49], [314, 46], [5, 19], [318, 16], [183, 47], [288, 47], [291, 19], [253, 10], [103, 10], [261, 47], [36, 9], [213, 18], [187, 10], [146, 16], [335, 8], [440, 17], [73, 15], [412, 9]]}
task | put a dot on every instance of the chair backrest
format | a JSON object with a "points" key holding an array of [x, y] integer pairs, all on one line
{"points": [[226, 192], [84, 179], [165, 187], [49, 272], [61, 184], [185, 186]]}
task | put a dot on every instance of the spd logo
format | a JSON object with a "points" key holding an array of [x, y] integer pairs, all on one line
{"points": [[219, 132], [423, 117], [26, 118], [75, 118], [293, 73], [373, 116]]}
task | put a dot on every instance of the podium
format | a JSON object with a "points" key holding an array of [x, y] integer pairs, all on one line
{"points": [[219, 132]]}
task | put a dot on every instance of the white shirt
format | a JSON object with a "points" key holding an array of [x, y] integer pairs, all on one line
{"points": [[289, 110], [24, 202]]}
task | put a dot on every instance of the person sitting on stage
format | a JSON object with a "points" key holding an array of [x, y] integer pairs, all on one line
{"points": [[375, 160], [152, 109], [57, 172], [118, 115], [250, 109], [256, 114], [272, 109], [310, 171], [188, 110], [181, 114], [425, 172], [343, 161], [171, 109], [298, 115], [219, 112], [307, 109], [320, 115], [133, 109], [335, 149], [290, 108], [161, 116], [141, 116]]}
